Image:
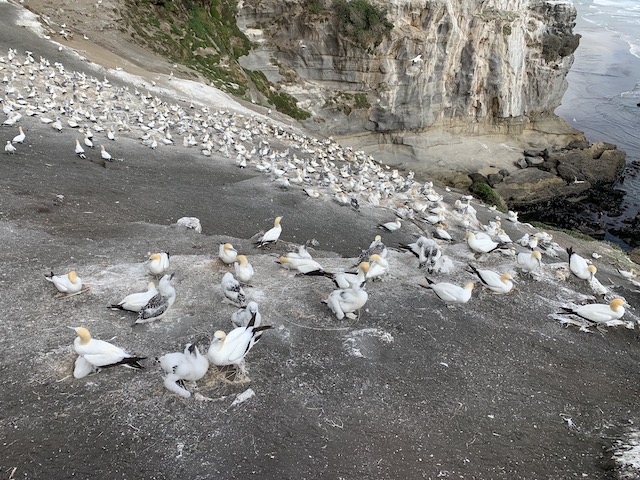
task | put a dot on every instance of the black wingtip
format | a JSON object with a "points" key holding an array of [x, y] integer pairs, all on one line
{"points": [[115, 307], [252, 322], [429, 281], [570, 251]]}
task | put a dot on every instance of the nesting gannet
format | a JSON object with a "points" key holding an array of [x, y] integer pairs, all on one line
{"points": [[158, 263], [391, 226], [350, 280], [306, 266], [481, 242], [232, 290], [227, 253], [345, 301], [189, 365], [230, 349], [450, 293], [628, 274], [20, 137], [242, 317], [598, 312], [426, 249], [8, 148], [136, 301], [494, 281], [272, 235], [104, 154], [378, 266], [87, 141], [99, 354], [68, 283], [529, 261], [442, 233], [579, 266], [158, 306], [79, 149], [244, 270]]}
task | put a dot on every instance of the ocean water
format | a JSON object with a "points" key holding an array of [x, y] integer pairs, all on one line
{"points": [[604, 89]]}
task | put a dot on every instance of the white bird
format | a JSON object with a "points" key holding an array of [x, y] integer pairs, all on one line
{"points": [[68, 283], [305, 266], [416, 59], [87, 141], [442, 233], [244, 270], [79, 149], [350, 280], [230, 349], [378, 266], [628, 274], [227, 253], [529, 261], [104, 154], [158, 263], [450, 293], [8, 148], [598, 312], [391, 226], [158, 306], [98, 353], [580, 267], [243, 316], [494, 281], [135, 302], [20, 137], [190, 366], [375, 247], [232, 290], [272, 235], [481, 242], [344, 302]]}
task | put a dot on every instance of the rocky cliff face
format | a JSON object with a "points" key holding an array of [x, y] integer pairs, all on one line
{"points": [[492, 64]]}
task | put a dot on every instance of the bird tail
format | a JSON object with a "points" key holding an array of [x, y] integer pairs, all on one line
{"points": [[129, 361], [570, 251], [429, 281], [566, 311], [317, 273], [49, 276], [114, 306]]}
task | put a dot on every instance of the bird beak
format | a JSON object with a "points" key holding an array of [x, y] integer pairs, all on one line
{"points": [[72, 328]]}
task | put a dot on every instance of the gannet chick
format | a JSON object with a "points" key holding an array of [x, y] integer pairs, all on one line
{"points": [[227, 253], [99, 354], [272, 235], [244, 270], [302, 251], [243, 316], [104, 154], [494, 281], [378, 266], [391, 226], [579, 266], [529, 261], [190, 366], [136, 301], [20, 137], [305, 266], [350, 280], [158, 306], [69, 283], [8, 148], [598, 312], [450, 293], [158, 263], [231, 349], [426, 249], [481, 242], [375, 248], [232, 290], [79, 149], [344, 302]]}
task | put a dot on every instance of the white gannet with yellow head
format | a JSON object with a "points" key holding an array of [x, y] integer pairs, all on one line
{"points": [[580, 267], [158, 263], [450, 293], [272, 235], [244, 270], [497, 283], [599, 312], [529, 261], [69, 283], [136, 301], [227, 253]]}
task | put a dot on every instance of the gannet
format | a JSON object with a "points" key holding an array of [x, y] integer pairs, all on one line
{"points": [[391, 226], [378, 266], [104, 154], [232, 290], [136, 301], [450, 293], [376, 247], [529, 261], [79, 149], [230, 349], [244, 270], [305, 266], [512, 216], [441, 232], [481, 242], [8, 148], [344, 302], [272, 235], [99, 354], [243, 316], [158, 306], [494, 281], [426, 249], [87, 141], [598, 312], [158, 263], [349, 280], [628, 274], [69, 283], [227, 253], [20, 137], [302, 252], [579, 266], [189, 365]]}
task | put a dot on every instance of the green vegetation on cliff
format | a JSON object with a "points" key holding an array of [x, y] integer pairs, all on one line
{"points": [[364, 23]]}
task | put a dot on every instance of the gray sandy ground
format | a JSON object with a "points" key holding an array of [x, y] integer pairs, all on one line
{"points": [[411, 389]]}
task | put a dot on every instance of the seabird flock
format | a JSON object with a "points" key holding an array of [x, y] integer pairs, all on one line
{"points": [[449, 236]]}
